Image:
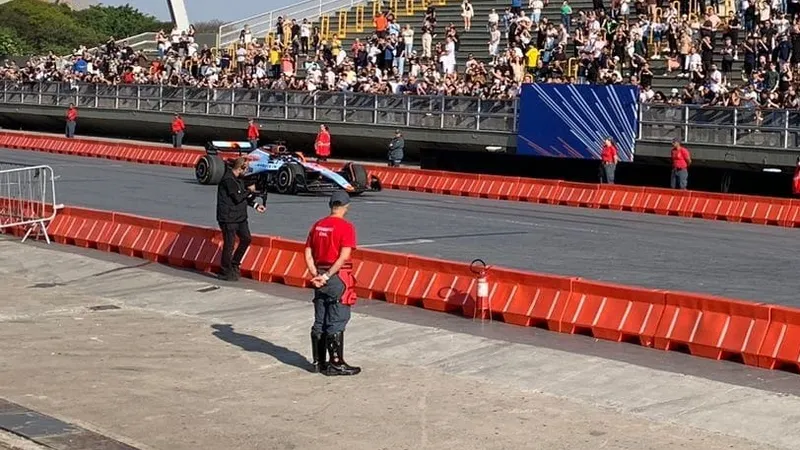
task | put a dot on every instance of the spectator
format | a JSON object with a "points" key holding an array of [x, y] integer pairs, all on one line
{"points": [[467, 13]]}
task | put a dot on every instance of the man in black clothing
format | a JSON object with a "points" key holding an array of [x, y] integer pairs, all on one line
{"points": [[232, 201]]}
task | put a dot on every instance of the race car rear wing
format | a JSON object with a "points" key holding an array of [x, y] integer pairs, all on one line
{"points": [[214, 147]]}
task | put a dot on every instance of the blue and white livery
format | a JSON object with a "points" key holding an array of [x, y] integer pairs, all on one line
{"points": [[274, 168]]}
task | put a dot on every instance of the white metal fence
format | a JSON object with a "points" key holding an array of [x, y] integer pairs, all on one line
{"points": [[263, 23], [27, 198]]}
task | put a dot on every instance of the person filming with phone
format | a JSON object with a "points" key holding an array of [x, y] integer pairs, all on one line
{"points": [[233, 198]]}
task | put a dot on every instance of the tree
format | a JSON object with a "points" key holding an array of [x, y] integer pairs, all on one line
{"points": [[10, 43], [40, 27], [118, 21]]}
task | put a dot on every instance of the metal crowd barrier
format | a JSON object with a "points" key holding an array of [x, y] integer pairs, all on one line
{"points": [[743, 128], [27, 198], [409, 111]]}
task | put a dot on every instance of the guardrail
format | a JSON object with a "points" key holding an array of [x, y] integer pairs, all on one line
{"points": [[261, 24], [731, 127], [741, 128], [430, 112]]}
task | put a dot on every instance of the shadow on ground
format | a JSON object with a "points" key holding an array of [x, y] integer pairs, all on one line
{"points": [[254, 344]]}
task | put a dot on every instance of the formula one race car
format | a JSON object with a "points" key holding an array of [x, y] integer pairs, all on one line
{"points": [[274, 168]]}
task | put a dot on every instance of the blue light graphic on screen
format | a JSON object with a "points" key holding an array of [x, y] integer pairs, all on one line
{"points": [[571, 121]]}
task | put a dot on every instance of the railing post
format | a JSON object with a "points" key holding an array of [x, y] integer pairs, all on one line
{"points": [[286, 105], [160, 97], [344, 106], [515, 121], [40, 93], [258, 104], [96, 97], [116, 96], [478, 116], [183, 100], [375, 110], [208, 100], [314, 105], [233, 102], [735, 126], [58, 94], [685, 124], [408, 111], [786, 129], [639, 114], [138, 97], [441, 112]]}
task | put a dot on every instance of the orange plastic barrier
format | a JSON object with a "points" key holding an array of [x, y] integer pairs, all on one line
{"points": [[613, 312], [733, 208], [712, 327]]}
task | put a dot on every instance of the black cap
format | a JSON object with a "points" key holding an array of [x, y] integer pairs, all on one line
{"points": [[339, 198]]}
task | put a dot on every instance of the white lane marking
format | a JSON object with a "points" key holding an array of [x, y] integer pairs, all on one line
{"points": [[392, 244]]}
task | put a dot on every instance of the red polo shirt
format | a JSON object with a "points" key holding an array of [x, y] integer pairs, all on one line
{"points": [[72, 114], [608, 154], [328, 236], [252, 131], [680, 158], [178, 125]]}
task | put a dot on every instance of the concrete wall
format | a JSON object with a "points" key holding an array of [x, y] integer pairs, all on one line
{"points": [[352, 140], [349, 139]]}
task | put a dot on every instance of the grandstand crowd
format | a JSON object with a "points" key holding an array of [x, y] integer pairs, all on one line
{"points": [[616, 43]]}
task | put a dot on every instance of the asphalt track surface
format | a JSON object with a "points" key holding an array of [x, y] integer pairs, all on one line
{"points": [[752, 262]]}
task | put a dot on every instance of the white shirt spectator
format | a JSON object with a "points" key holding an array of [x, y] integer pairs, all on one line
{"points": [[716, 81]]}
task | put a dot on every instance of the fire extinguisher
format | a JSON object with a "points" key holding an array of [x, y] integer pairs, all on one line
{"points": [[479, 268]]}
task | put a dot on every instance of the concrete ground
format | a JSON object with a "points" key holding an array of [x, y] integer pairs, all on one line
{"points": [[166, 359]]}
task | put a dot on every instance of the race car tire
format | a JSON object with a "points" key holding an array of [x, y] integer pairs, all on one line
{"points": [[287, 178], [209, 170], [356, 175]]}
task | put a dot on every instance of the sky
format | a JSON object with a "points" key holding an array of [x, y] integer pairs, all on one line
{"points": [[205, 10]]}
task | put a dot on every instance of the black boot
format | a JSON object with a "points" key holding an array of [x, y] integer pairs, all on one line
{"points": [[337, 364], [319, 352], [236, 271]]}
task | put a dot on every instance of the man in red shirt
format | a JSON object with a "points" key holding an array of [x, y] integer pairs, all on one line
{"points": [[329, 245], [322, 146], [178, 128], [72, 119], [252, 133], [681, 159], [609, 158]]}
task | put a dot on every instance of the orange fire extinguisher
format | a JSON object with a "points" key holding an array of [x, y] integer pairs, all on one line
{"points": [[482, 306]]}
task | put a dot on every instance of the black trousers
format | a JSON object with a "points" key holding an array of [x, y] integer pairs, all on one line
{"points": [[330, 315], [229, 233]]}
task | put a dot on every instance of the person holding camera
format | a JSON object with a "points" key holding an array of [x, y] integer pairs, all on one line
{"points": [[233, 198], [396, 148]]}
